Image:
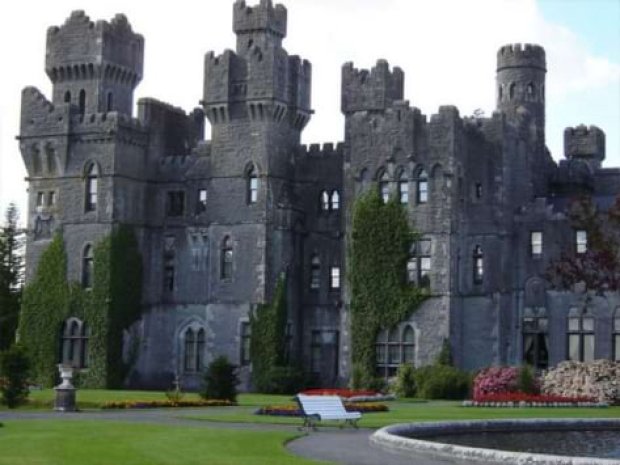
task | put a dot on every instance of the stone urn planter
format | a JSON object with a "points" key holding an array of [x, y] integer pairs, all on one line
{"points": [[65, 391]]}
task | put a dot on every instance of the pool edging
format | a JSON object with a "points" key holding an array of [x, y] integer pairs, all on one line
{"points": [[387, 438]]}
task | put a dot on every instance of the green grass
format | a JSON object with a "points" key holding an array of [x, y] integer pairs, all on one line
{"points": [[406, 412], [103, 443]]}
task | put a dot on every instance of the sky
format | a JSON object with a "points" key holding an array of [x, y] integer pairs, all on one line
{"points": [[447, 49]]}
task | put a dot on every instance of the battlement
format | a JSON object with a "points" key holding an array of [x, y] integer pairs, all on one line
{"points": [[374, 89], [584, 142], [261, 17], [521, 55], [328, 149], [81, 48]]}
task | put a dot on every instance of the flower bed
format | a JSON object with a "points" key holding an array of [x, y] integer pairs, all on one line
{"points": [[520, 399], [343, 393], [129, 404], [291, 410]]}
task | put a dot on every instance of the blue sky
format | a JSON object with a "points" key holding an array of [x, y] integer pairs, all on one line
{"points": [[447, 49]]}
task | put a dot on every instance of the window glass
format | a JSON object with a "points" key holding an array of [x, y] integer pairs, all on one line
{"points": [[422, 193], [581, 241], [175, 203], [335, 200], [588, 347], [573, 324], [201, 205], [335, 277], [536, 242]]}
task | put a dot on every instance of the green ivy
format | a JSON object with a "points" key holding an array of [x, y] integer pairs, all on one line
{"points": [[112, 305], [268, 341], [380, 244]]}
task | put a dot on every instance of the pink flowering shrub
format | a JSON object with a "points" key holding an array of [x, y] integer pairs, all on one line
{"points": [[495, 380]]}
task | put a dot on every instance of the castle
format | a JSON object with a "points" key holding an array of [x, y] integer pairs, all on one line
{"points": [[217, 221]]}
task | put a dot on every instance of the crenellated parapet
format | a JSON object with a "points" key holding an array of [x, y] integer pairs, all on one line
{"points": [[82, 49], [521, 55], [368, 90], [586, 143], [328, 149], [259, 81], [261, 17]]}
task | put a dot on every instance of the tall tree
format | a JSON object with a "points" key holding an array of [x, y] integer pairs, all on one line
{"points": [[596, 270], [11, 276]]}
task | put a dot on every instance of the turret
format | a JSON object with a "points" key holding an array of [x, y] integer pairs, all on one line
{"points": [[260, 82], [586, 144], [263, 25], [377, 89], [521, 73], [94, 66]]}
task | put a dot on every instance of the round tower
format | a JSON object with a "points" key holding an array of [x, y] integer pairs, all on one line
{"points": [[520, 88]]}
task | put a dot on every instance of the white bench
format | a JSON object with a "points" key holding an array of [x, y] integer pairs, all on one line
{"points": [[317, 408]]}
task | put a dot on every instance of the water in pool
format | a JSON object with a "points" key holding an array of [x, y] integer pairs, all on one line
{"points": [[596, 443]]}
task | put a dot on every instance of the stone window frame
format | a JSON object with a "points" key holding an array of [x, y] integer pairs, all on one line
{"points": [[422, 187], [193, 343], [315, 271], [391, 349], [478, 267], [318, 337], [245, 338], [227, 258], [580, 327], [536, 243], [383, 185], [40, 199], [581, 241], [87, 266], [534, 326], [419, 264], [252, 184], [91, 186], [74, 336]]}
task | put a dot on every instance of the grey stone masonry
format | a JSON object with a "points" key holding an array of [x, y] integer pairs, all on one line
{"points": [[219, 220]]}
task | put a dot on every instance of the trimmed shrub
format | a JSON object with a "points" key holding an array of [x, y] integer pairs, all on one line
{"points": [[442, 382], [445, 356], [283, 380], [14, 368], [220, 380], [405, 381], [526, 380]]}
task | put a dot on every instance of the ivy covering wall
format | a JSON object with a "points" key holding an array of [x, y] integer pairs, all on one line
{"points": [[112, 305], [268, 341], [381, 297]]}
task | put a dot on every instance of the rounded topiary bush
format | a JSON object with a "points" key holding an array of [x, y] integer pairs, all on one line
{"points": [[442, 382], [220, 380]]}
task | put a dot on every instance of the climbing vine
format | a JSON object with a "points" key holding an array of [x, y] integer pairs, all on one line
{"points": [[112, 305], [380, 242], [268, 341]]}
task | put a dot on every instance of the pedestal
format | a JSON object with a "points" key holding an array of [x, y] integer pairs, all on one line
{"points": [[65, 399]]}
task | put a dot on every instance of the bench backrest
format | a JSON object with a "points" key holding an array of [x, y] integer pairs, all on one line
{"points": [[321, 405]]}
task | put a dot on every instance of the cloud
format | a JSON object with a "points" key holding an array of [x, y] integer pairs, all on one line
{"points": [[447, 49]]}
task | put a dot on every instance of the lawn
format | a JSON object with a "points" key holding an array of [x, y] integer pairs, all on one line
{"points": [[49, 442]]}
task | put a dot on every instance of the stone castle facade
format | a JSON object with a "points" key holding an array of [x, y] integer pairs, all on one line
{"points": [[219, 220]]}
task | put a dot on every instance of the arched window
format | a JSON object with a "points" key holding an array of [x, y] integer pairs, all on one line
{"points": [[580, 336], [403, 189], [189, 356], [616, 335], [511, 90], [393, 350], [36, 160], [226, 265], [110, 101], [324, 201], [530, 90], [74, 343], [82, 102], [252, 195], [245, 338], [384, 187], [500, 92], [335, 205], [87, 267], [315, 272], [408, 345], [67, 97], [422, 188], [536, 339], [91, 188], [478, 265], [419, 263]]}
